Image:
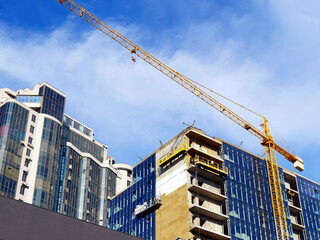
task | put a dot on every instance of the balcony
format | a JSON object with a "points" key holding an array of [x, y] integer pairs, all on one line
{"points": [[290, 181], [195, 149], [211, 175], [208, 233], [208, 213], [210, 165], [293, 200], [293, 208], [193, 134], [297, 226], [292, 192], [207, 193]]}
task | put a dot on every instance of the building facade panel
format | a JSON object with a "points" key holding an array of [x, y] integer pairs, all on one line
{"points": [[86, 178], [310, 203], [68, 182], [250, 208], [172, 218], [249, 196], [52, 102], [48, 161], [13, 124], [124, 209]]}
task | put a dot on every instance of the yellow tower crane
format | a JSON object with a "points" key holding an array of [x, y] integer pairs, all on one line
{"points": [[265, 137]]}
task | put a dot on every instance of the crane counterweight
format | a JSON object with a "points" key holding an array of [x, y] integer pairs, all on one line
{"points": [[298, 163]]}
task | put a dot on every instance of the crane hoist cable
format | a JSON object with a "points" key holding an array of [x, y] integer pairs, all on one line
{"points": [[265, 137]]}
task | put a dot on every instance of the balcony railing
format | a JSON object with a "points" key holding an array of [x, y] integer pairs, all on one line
{"points": [[209, 164], [173, 153]]}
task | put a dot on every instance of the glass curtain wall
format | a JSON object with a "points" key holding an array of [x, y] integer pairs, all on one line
{"points": [[310, 203], [249, 198], [121, 212], [47, 172], [13, 123]]}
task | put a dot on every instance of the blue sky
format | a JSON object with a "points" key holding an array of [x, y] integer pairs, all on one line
{"points": [[262, 54]]}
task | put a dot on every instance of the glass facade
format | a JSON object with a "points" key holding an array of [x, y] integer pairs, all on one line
{"points": [[310, 203], [82, 143], [249, 197], [30, 99], [107, 190], [13, 123], [48, 165], [83, 185], [89, 190], [68, 182], [121, 213], [53, 102], [67, 179], [69, 121]]}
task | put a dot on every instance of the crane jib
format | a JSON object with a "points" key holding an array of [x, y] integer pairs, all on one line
{"points": [[266, 139]]}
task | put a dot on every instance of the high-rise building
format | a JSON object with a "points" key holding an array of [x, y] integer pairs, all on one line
{"points": [[86, 178], [30, 132], [199, 187], [51, 160]]}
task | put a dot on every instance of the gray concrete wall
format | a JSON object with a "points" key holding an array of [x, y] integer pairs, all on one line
{"points": [[20, 220]]}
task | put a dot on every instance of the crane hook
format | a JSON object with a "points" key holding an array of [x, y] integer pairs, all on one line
{"points": [[133, 61]]}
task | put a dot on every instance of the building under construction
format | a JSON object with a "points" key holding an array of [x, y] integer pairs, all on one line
{"points": [[199, 187], [207, 162]]}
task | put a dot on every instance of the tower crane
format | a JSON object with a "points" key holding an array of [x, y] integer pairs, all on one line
{"points": [[265, 137]]}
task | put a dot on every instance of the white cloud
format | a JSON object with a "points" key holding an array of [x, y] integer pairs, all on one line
{"points": [[132, 107]]}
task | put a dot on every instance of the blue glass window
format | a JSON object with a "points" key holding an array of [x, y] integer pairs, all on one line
{"points": [[30, 99], [310, 204], [122, 207]]}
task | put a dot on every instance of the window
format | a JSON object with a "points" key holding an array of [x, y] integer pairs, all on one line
{"points": [[26, 163], [316, 193], [30, 140], [33, 118], [129, 174], [128, 183], [31, 129], [24, 176], [22, 190], [28, 152]]}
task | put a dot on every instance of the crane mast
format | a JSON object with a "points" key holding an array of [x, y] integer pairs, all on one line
{"points": [[265, 137]]}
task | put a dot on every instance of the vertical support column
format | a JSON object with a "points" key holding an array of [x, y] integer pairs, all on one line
{"points": [[102, 197], [83, 174]]}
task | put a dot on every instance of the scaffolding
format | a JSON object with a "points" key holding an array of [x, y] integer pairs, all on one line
{"points": [[173, 153], [148, 206], [209, 165]]}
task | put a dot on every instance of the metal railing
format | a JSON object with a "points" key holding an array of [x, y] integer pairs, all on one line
{"points": [[209, 163], [180, 148]]}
